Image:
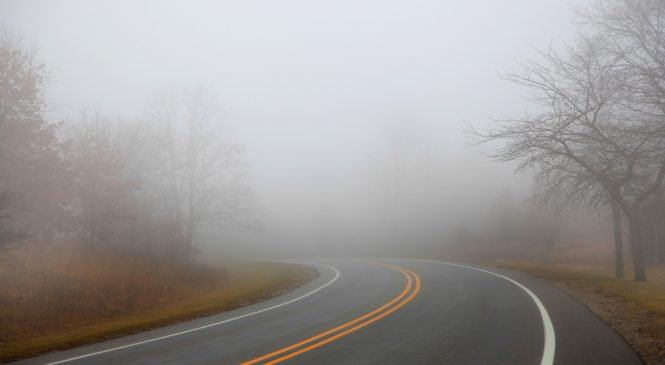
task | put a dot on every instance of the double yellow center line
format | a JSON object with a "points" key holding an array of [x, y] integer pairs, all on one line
{"points": [[410, 291]]}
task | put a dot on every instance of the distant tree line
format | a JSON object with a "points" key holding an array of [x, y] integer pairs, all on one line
{"points": [[596, 134], [147, 185], [511, 222]]}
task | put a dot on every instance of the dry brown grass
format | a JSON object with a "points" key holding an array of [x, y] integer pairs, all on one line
{"points": [[56, 297]]}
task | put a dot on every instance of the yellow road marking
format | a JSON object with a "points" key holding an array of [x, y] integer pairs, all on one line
{"points": [[314, 338], [410, 276]]}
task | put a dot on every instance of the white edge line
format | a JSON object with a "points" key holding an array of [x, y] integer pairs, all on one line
{"points": [[550, 338], [337, 274]]}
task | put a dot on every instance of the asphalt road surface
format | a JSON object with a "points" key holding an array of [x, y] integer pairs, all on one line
{"points": [[383, 311]]}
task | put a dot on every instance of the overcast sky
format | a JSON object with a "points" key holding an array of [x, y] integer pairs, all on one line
{"points": [[307, 84]]}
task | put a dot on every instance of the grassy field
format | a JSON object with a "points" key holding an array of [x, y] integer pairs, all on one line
{"points": [[54, 298], [636, 310]]}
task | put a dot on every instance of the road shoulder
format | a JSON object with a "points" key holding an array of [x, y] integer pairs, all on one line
{"points": [[618, 303]]}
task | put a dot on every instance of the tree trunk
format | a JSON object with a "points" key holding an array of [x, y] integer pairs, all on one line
{"points": [[618, 241], [189, 242], [655, 241], [635, 227]]}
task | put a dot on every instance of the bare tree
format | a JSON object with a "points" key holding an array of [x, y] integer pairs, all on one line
{"points": [[203, 177], [636, 33], [564, 187], [405, 173], [101, 191], [587, 132]]}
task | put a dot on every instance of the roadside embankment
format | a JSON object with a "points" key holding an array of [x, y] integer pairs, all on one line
{"points": [[67, 298]]}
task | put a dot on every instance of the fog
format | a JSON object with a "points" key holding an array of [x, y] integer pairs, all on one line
{"points": [[352, 114]]}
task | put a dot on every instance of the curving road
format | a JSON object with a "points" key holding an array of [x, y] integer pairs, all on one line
{"points": [[383, 311]]}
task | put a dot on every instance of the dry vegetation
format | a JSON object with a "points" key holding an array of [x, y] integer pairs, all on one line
{"points": [[634, 309], [65, 297]]}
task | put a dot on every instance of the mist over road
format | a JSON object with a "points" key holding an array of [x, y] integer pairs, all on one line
{"points": [[382, 311]]}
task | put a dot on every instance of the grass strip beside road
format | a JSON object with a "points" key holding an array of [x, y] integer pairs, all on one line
{"points": [[247, 284], [636, 310]]}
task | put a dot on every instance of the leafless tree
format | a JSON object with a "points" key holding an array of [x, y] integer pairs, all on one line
{"points": [[101, 191], [562, 188], [636, 33], [587, 139], [405, 164], [203, 173]]}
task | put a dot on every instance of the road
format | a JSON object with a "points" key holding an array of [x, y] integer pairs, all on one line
{"points": [[383, 311]]}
